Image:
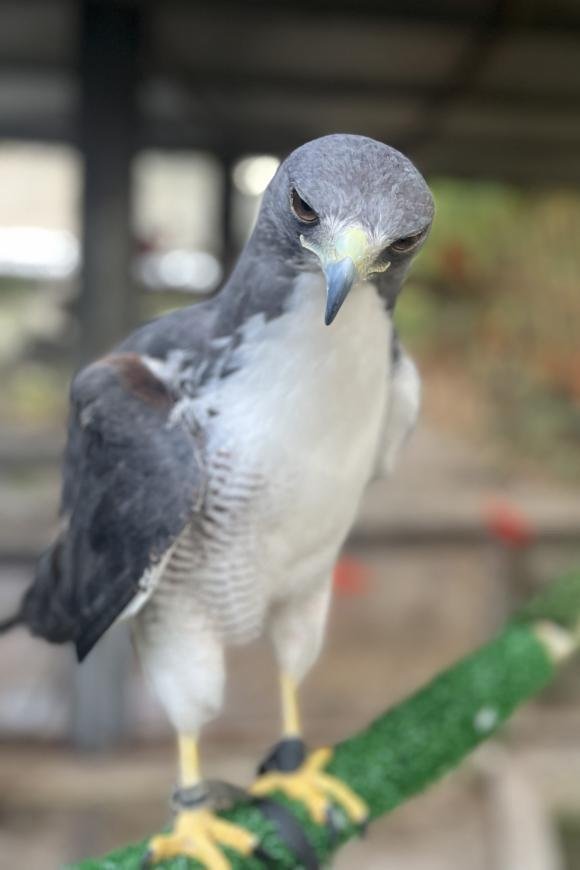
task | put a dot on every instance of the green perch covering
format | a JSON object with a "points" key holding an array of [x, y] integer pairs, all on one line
{"points": [[425, 736]]}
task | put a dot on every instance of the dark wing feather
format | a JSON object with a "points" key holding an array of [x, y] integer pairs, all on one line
{"points": [[131, 482]]}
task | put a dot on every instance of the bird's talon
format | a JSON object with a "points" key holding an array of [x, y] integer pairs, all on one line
{"points": [[201, 835], [317, 790]]}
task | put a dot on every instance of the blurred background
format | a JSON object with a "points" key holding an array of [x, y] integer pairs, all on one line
{"points": [[136, 139]]}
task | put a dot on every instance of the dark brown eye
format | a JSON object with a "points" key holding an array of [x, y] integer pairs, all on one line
{"points": [[301, 209], [404, 246]]}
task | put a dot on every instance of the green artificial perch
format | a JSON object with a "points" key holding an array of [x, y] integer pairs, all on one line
{"points": [[409, 747]]}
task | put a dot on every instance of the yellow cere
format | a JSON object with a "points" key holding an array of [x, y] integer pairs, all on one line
{"points": [[354, 243]]}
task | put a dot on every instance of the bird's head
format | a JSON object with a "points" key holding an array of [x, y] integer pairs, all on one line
{"points": [[351, 206]]}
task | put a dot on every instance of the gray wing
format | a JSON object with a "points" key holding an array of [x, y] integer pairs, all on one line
{"points": [[132, 479]]}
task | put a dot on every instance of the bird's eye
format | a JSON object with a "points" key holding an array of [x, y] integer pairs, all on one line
{"points": [[407, 244], [301, 209]]}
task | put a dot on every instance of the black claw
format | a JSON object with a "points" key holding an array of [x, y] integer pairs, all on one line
{"points": [[264, 857], [337, 820], [286, 756], [334, 823], [147, 860], [363, 828]]}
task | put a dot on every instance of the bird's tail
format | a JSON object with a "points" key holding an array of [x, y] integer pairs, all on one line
{"points": [[11, 622], [43, 607]]}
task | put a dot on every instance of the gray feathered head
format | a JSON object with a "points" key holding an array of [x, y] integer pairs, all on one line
{"points": [[352, 206]]}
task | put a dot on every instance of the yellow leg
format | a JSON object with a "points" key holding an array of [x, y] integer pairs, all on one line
{"points": [[189, 772], [290, 713], [309, 784], [197, 832]]}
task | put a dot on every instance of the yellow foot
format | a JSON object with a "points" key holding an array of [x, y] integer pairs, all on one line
{"points": [[315, 788], [199, 834]]}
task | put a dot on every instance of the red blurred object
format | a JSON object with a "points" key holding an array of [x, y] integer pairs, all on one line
{"points": [[509, 524], [351, 576]]}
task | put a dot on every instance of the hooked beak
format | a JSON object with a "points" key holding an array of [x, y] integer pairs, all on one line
{"points": [[345, 259], [340, 275]]}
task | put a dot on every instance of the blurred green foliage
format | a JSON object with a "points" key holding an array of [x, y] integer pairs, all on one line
{"points": [[495, 295], [569, 830]]}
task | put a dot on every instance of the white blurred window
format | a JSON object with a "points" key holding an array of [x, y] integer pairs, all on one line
{"points": [[39, 210], [251, 176], [177, 200], [177, 220]]}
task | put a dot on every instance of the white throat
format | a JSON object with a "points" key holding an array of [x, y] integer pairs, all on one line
{"points": [[301, 383]]}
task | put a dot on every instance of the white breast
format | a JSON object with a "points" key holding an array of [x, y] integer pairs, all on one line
{"points": [[304, 413]]}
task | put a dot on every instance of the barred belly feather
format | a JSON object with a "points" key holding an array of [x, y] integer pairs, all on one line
{"points": [[212, 569], [226, 578]]}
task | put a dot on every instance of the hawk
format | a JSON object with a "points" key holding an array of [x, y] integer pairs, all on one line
{"points": [[217, 456]]}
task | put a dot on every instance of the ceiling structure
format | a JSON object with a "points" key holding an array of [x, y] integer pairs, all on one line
{"points": [[476, 88]]}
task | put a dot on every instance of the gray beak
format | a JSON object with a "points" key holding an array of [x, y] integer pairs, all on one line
{"points": [[340, 276]]}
